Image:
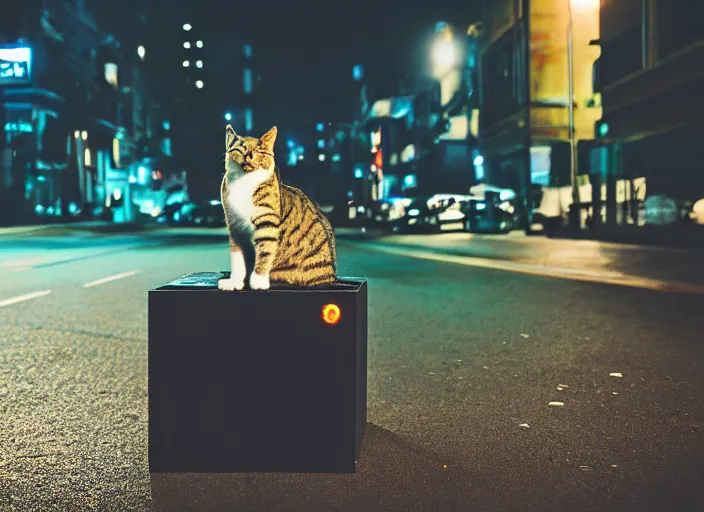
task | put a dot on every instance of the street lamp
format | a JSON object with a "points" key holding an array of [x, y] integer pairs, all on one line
{"points": [[199, 84], [187, 27], [141, 52], [575, 217], [444, 51]]}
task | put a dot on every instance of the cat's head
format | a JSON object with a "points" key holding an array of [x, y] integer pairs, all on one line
{"points": [[249, 153]]}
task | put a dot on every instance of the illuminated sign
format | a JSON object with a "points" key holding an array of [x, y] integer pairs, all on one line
{"points": [[21, 127], [15, 65]]}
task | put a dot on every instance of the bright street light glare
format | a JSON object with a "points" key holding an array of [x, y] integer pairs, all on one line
{"points": [[444, 53], [584, 3], [187, 27], [141, 51], [199, 84]]}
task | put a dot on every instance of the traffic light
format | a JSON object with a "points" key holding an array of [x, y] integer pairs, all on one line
{"points": [[601, 129]]}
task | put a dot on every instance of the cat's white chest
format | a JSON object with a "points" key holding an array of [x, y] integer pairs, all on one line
{"points": [[240, 195]]}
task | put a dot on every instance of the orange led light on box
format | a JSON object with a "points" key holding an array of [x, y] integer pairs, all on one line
{"points": [[331, 313]]}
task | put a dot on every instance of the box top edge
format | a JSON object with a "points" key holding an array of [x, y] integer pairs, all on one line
{"points": [[207, 281]]}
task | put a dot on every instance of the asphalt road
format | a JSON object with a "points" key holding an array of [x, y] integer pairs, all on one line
{"points": [[463, 363]]}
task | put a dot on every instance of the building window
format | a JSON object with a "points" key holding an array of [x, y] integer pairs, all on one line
{"points": [[248, 120], [111, 74], [501, 80], [621, 41], [679, 25], [247, 79]]}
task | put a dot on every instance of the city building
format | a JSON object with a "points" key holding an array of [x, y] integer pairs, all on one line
{"points": [[422, 126], [74, 114], [651, 80], [531, 136]]}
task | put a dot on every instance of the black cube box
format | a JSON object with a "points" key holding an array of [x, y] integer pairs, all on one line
{"points": [[256, 381]]}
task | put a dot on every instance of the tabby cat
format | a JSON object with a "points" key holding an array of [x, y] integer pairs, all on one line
{"points": [[293, 241]]}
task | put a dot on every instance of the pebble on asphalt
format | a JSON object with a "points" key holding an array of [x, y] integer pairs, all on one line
{"points": [[524, 425], [615, 374], [525, 335], [556, 404], [562, 387]]}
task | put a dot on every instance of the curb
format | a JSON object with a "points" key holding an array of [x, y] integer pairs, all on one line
{"points": [[95, 227]]}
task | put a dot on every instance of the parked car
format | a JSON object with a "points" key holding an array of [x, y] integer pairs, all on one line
{"points": [[484, 217], [432, 214], [418, 217]]}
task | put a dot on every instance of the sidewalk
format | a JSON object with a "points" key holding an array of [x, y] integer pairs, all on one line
{"points": [[683, 237], [604, 261]]}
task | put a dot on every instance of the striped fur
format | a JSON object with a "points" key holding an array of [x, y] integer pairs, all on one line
{"points": [[293, 241]]}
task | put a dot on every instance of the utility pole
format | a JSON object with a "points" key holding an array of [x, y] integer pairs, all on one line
{"points": [[575, 211]]}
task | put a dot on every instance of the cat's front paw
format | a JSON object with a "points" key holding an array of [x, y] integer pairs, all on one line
{"points": [[229, 285], [259, 281]]}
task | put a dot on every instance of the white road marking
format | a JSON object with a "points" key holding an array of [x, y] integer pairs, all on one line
{"points": [[613, 278], [109, 279], [22, 298]]}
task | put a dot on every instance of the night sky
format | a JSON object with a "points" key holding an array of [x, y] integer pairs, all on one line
{"points": [[305, 50]]}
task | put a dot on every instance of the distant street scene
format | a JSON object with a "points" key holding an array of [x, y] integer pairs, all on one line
{"points": [[491, 385], [520, 182]]}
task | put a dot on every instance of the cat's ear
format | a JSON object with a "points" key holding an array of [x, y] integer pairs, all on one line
{"points": [[230, 137], [267, 140]]}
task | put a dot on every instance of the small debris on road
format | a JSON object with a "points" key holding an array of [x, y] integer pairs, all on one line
{"points": [[485, 367], [616, 374], [562, 387], [524, 425], [614, 466], [556, 404], [431, 373], [585, 468], [614, 393], [525, 335]]}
